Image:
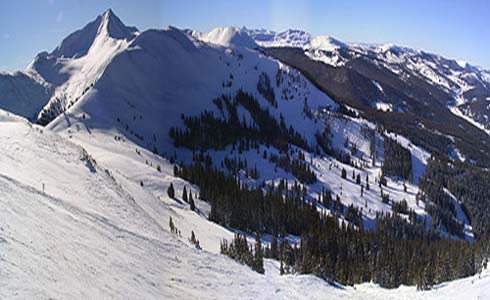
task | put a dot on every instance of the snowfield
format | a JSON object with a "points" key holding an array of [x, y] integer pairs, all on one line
{"points": [[97, 234]]}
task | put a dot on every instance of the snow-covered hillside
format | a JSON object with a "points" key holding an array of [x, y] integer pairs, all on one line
{"points": [[23, 94], [226, 36], [468, 86], [79, 224], [138, 98]]}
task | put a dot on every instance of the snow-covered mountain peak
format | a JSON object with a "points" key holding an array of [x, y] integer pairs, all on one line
{"points": [[301, 39], [387, 48], [78, 43], [227, 36], [114, 27], [166, 41], [261, 34], [327, 43], [78, 62], [290, 38]]}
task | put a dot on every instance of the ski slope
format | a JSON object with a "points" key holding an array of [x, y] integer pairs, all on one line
{"points": [[96, 233]]}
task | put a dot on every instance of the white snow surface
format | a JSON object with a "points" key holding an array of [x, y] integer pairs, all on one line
{"points": [[302, 39], [23, 94], [226, 36], [383, 106], [77, 222]]}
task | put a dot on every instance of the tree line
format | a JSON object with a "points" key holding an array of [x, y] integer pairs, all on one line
{"points": [[397, 252]]}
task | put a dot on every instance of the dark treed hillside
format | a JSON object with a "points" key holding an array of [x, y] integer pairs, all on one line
{"points": [[426, 114]]}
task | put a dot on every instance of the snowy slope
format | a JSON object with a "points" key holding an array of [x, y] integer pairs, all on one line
{"points": [[467, 86], [138, 89], [226, 36], [138, 98], [23, 94], [98, 234]]}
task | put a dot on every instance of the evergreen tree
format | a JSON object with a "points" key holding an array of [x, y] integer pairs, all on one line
{"points": [[171, 191], [258, 265], [191, 202], [184, 195], [171, 225], [194, 241], [273, 250]]}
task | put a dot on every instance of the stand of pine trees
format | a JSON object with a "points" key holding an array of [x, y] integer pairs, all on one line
{"points": [[240, 251], [398, 252], [282, 209], [324, 142], [208, 131], [387, 256], [467, 183], [264, 87], [397, 160], [297, 166]]}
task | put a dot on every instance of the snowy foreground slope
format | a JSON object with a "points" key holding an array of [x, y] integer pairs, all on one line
{"points": [[96, 233]]}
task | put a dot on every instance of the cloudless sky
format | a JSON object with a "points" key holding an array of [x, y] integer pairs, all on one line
{"points": [[455, 29]]}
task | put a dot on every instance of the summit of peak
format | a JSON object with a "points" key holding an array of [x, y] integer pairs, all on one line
{"points": [[108, 24], [228, 36], [114, 27], [108, 12]]}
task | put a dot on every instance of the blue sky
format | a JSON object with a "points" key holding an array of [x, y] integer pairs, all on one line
{"points": [[456, 29]]}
